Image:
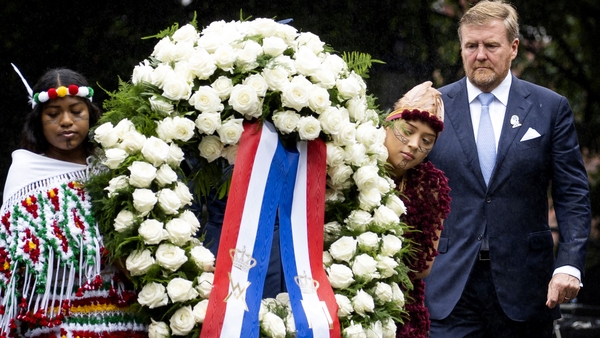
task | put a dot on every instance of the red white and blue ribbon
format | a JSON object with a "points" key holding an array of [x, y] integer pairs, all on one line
{"points": [[267, 178]]}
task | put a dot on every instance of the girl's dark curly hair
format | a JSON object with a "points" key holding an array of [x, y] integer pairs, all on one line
{"points": [[32, 137]]}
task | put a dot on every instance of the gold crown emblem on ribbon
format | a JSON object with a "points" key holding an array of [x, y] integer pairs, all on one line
{"points": [[306, 284], [241, 259]]}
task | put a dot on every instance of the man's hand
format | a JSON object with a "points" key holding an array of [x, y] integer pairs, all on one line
{"points": [[562, 289]]}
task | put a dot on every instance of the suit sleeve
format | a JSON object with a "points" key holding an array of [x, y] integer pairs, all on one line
{"points": [[570, 190]]}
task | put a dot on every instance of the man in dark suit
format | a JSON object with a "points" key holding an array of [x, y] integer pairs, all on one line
{"points": [[496, 275]]}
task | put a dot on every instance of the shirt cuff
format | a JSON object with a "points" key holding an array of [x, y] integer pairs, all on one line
{"points": [[569, 270]]}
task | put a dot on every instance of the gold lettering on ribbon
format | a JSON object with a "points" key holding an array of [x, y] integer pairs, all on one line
{"points": [[237, 291]]}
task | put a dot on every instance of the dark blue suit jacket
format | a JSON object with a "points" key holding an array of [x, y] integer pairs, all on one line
{"points": [[515, 206]]}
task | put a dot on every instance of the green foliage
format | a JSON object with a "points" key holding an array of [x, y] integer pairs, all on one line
{"points": [[360, 62]]}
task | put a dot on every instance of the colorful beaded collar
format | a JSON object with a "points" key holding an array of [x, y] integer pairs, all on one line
{"points": [[63, 91]]}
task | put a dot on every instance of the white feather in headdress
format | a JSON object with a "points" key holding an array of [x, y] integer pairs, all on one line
{"points": [[424, 98]]}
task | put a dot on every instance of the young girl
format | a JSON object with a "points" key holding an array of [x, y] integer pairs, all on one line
{"points": [[53, 282], [414, 126]]}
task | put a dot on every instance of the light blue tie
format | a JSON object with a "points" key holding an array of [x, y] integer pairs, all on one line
{"points": [[486, 142]]}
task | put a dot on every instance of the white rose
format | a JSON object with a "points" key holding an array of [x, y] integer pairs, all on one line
{"points": [[142, 72], [346, 136], [189, 217], [206, 100], [356, 154], [123, 127], [327, 259], [366, 177], [231, 131], [155, 151], [200, 311], [170, 257], [116, 184], [345, 308], [375, 330], [354, 331], [114, 157], [274, 46], [290, 323], [175, 156], [383, 293], [186, 33], [105, 136], [363, 303], [287, 32], [386, 266], [161, 73], [165, 175], [397, 295], [245, 101], [385, 216], [160, 106], [202, 64], [286, 121], [365, 266], [152, 231], [350, 87], [180, 231], [246, 57], [263, 26], [178, 128], [307, 62], [164, 50], [340, 176], [182, 321], [168, 201], [389, 329], [223, 85], [181, 290], [142, 174], [357, 108], [132, 142], [379, 152], [230, 153], [210, 147], [144, 200], [273, 325], [335, 155], [323, 77], [158, 330], [164, 129], [311, 41], [139, 262], [266, 305], [340, 276], [207, 123], [183, 193], [257, 82], [124, 221], [358, 220], [205, 284], [276, 77], [391, 245], [368, 241], [369, 199], [368, 134], [343, 249], [176, 88], [335, 64], [395, 203], [182, 52], [332, 230], [309, 128], [296, 93], [203, 258], [318, 100], [284, 298], [225, 57], [334, 196], [153, 295]]}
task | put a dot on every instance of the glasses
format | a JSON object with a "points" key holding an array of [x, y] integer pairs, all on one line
{"points": [[403, 136]]}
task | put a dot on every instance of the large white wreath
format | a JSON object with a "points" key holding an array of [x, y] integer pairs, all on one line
{"points": [[188, 101]]}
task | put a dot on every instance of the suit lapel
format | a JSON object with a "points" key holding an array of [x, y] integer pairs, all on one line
{"points": [[459, 116], [517, 105]]}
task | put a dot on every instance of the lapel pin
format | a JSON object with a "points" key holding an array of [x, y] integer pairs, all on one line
{"points": [[514, 121]]}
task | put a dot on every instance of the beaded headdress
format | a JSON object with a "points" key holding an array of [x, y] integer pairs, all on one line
{"points": [[423, 102], [53, 93]]}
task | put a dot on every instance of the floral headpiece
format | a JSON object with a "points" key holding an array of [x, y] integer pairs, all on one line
{"points": [[52, 93], [423, 102], [62, 91]]}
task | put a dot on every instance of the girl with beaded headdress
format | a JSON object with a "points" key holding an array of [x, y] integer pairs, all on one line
{"points": [[53, 281], [411, 131]]}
